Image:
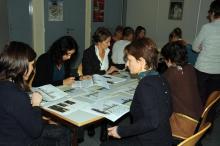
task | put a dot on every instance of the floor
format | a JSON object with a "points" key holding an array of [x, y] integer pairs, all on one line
{"points": [[212, 138]]}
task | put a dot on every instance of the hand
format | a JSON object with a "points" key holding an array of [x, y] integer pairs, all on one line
{"points": [[112, 131], [86, 77], [36, 99], [112, 69], [69, 81]]}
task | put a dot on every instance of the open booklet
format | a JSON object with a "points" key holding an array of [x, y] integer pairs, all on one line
{"points": [[100, 80], [50, 92]]}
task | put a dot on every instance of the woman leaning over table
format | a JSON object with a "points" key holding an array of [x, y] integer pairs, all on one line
{"points": [[54, 66], [151, 107], [21, 122], [97, 58]]}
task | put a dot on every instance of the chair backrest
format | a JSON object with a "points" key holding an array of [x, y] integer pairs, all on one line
{"points": [[212, 97], [192, 140], [211, 101]]}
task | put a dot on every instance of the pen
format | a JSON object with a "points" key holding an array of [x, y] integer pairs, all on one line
{"points": [[99, 111]]}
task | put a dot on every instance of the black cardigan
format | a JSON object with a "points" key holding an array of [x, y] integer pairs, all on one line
{"points": [[91, 63], [151, 108], [45, 69], [20, 122]]}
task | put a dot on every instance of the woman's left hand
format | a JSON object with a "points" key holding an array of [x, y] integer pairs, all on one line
{"points": [[112, 131]]}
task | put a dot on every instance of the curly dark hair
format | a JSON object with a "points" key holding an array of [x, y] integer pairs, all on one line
{"points": [[14, 61], [60, 48]]}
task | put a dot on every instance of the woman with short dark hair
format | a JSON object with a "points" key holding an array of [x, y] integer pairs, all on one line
{"points": [[151, 106], [181, 77], [97, 58]]}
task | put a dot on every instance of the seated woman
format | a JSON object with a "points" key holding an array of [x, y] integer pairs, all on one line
{"points": [[97, 58], [53, 67], [176, 35], [140, 32], [181, 77], [21, 120], [151, 106]]}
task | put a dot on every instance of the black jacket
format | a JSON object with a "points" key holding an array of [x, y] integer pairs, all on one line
{"points": [[45, 69], [20, 122], [150, 109], [91, 63]]}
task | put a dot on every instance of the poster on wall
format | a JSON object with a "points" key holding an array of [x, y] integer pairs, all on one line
{"points": [[98, 10], [55, 10], [176, 10]]}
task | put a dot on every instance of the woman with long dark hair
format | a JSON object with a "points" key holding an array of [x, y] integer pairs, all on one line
{"points": [[21, 121], [54, 66]]}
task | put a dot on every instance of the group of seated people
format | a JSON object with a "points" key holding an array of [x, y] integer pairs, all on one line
{"points": [[158, 99]]}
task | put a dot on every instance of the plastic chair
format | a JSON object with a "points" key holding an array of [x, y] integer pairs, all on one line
{"points": [[192, 140]]}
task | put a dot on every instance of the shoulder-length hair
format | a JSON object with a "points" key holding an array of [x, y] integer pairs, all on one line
{"points": [[60, 48], [145, 48], [14, 61]]}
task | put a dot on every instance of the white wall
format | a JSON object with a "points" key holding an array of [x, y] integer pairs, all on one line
{"points": [[4, 28], [153, 14]]}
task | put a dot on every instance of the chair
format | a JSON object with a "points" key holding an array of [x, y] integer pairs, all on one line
{"points": [[210, 103], [212, 96], [192, 140]]}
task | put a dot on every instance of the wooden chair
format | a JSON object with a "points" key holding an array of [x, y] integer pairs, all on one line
{"points": [[192, 140], [212, 97], [211, 102]]}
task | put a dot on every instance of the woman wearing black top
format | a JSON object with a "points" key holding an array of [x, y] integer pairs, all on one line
{"points": [[21, 122], [54, 67], [151, 106], [97, 58]]}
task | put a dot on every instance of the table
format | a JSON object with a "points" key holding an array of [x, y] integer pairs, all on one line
{"points": [[71, 109]]}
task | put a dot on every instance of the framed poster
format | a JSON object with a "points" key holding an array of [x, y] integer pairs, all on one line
{"points": [[98, 10], [176, 10], [55, 10]]}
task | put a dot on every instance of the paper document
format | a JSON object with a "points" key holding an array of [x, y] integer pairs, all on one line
{"points": [[50, 92], [113, 79]]}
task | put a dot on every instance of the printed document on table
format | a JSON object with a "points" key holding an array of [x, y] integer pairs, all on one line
{"points": [[65, 106], [50, 92], [113, 79], [108, 109], [96, 80]]}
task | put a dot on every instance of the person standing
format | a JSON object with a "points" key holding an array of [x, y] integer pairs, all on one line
{"points": [[208, 45]]}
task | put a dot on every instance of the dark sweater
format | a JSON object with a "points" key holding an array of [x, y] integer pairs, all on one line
{"points": [[45, 70], [20, 122], [184, 90], [91, 63], [150, 109]]}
